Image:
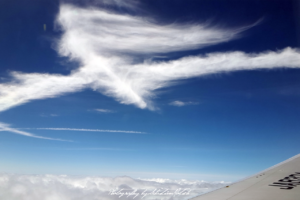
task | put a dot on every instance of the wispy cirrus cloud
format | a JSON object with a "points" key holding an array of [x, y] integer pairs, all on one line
{"points": [[110, 69], [107, 33], [96, 149], [104, 110], [136, 84], [88, 130], [129, 4], [6, 127], [105, 45], [49, 115], [183, 103], [90, 37]]}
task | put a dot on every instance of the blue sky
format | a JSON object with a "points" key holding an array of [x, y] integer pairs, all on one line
{"points": [[195, 89]]}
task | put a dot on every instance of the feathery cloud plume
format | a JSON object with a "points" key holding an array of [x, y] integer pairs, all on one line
{"points": [[106, 33], [105, 45]]}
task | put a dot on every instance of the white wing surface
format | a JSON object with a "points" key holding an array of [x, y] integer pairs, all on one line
{"points": [[280, 182]]}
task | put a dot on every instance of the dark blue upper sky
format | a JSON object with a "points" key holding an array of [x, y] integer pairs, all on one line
{"points": [[225, 126]]}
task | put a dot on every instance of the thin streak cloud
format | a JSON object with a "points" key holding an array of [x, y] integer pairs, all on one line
{"points": [[132, 34], [104, 111], [6, 127], [88, 130], [182, 103], [97, 149]]}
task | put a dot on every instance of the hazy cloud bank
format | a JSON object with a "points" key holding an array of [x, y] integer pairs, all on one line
{"points": [[49, 187]]}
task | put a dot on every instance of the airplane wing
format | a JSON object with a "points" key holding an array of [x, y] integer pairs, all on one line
{"points": [[280, 182]]}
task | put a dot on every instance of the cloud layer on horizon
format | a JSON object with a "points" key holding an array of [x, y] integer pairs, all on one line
{"points": [[62, 187]]}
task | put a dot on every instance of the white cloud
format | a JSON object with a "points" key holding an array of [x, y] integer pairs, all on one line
{"points": [[104, 110], [182, 103], [6, 127], [136, 84], [88, 130], [49, 115], [106, 33], [98, 40], [97, 149], [129, 4], [47, 187], [105, 45]]}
